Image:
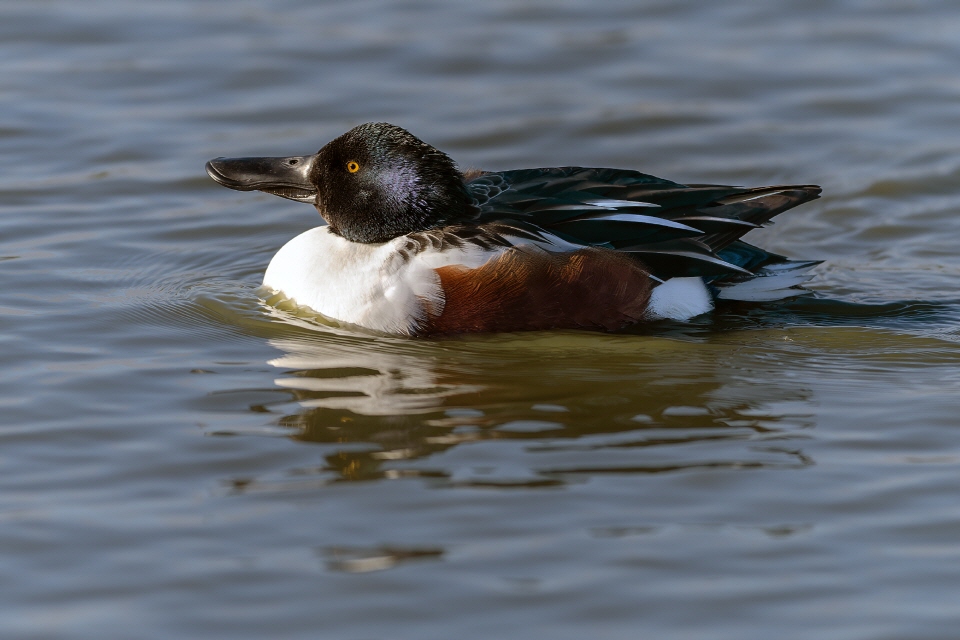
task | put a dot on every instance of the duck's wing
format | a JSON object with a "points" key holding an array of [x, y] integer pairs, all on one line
{"points": [[675, 229]]}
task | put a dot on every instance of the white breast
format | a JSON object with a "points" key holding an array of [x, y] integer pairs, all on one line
{"points": [[378, 286]]}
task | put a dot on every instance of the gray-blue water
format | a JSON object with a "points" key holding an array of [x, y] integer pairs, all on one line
{"points": [[180, 459]]}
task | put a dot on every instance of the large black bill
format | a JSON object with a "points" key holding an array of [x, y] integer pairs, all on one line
{"points": [[284, 177]]}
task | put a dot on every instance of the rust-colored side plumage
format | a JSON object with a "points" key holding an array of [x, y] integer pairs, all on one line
{"points": [[526, 288]]}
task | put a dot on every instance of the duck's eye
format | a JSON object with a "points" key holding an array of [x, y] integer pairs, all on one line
{"points": [[353, 166]]}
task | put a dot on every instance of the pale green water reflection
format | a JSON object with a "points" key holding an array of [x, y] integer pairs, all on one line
{"points": [[603, 401]]}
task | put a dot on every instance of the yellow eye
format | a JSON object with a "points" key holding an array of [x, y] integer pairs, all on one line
{"points": [[353, 166]]}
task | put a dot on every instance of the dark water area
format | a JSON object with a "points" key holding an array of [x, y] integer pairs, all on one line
{"points": [[183, 458]]}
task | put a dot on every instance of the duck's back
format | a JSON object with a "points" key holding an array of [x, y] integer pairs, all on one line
{"points": [[676, 230]]}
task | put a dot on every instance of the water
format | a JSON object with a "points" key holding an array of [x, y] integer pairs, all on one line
{"points": [[181, 459]]}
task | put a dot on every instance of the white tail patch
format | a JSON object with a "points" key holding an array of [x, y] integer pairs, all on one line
{"points": [[679, 299], [775, 282]]}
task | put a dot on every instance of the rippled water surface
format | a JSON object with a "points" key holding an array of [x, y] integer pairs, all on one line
{"points": [[182, 459]]}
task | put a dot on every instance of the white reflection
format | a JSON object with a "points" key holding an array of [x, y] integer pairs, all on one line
{"points": [[365, 376]]}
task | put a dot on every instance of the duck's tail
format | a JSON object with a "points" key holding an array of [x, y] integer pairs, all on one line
{"points": [[776, 281]]}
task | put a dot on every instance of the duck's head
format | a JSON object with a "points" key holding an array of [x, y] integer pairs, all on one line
{"points": [[374, 183]]}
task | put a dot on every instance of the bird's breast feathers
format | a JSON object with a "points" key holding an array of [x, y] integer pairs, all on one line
{"points": [[391, 287]]}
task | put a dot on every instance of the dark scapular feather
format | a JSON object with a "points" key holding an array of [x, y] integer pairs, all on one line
{"points": [[676, 230]]}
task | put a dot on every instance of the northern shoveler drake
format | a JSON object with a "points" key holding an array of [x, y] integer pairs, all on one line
{"points": [[413, 246]]}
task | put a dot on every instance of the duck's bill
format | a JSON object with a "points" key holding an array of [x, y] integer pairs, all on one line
{"points": [[284, 177]]}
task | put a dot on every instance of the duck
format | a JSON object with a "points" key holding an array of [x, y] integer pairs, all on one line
{"points": [[413, 246]]}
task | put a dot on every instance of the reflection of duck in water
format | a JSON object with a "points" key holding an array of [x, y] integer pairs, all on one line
{"points": [[532, 411], [415, 247]]}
